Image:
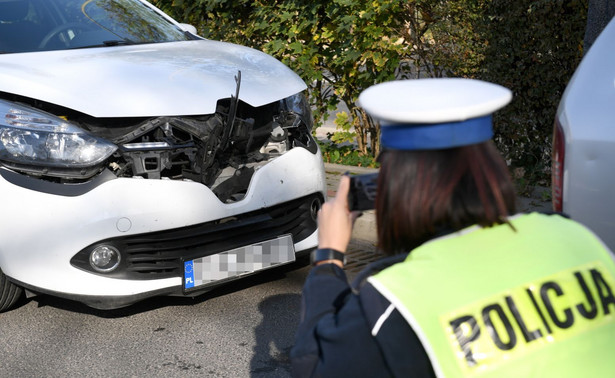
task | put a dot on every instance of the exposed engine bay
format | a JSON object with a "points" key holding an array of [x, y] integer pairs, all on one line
{"points": [[206, 149], [220, 150]]}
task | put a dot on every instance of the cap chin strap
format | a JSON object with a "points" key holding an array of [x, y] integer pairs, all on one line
{"points": [[436, 135]]}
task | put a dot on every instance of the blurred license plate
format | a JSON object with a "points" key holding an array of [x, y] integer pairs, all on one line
{"points": [[237, 262]]}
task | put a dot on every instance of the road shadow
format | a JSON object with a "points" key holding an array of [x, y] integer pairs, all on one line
{"points": [[275, 336], [155, 303]]}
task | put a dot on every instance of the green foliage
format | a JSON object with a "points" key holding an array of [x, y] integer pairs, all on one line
{"points": [[341, 47], [215, 19], [533, 48], [342, 123], [346, 154]]}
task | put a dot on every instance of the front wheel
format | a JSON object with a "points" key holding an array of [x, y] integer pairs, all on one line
{"points": [[9, 293]]}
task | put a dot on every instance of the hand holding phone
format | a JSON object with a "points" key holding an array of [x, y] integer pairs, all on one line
{"points": [[362, 192]]}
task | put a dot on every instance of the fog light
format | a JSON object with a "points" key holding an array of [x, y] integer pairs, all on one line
{"points": [[104, 258], [314, 207]]}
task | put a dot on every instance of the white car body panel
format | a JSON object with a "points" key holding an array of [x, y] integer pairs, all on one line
{"points": [[587, 116], [127, 206], [163, 79]]}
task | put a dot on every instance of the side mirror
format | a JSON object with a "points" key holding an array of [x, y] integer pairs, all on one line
{"points": [[189, 28]]}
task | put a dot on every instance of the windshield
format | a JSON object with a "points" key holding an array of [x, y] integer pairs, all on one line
{"points": [[42, 25]]}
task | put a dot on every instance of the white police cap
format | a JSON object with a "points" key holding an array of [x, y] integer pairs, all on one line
{"points": [[426, 114]]}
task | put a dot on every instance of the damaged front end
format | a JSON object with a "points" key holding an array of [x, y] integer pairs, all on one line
{"points": [[220, 150]]}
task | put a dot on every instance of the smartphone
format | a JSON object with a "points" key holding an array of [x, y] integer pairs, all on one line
{"points": [[362, 192]]}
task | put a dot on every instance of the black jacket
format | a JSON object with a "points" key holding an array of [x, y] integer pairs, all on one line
{"points": [[334, 338]]}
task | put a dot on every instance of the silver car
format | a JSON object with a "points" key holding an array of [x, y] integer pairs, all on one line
{"points": [[583, 171], [138, 159]]}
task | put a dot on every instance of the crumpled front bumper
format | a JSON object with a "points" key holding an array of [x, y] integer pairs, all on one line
{"points": [[41, 231]]}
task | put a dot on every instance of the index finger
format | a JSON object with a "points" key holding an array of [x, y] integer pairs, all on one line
{"points": [[341, 197]]}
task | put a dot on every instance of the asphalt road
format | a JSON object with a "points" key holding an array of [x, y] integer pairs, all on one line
{"points": [[245, 329]]}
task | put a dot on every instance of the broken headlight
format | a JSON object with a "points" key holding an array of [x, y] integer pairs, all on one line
{"points": [[293, 124], [299, 107], [38, 141]]}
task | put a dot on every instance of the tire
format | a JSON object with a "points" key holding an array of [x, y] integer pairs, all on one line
{"points": [[9, 293]]}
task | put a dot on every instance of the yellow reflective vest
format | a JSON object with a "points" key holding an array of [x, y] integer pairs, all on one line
{"points": [[533, 300]]}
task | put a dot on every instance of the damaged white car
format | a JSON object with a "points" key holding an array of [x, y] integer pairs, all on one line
{"points": [[137, 159]]}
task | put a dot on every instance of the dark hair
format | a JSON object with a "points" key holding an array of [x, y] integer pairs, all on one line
{"points": [[424, 193]]}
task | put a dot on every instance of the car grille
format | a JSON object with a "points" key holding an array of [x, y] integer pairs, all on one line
{"points": [[160, 254]]}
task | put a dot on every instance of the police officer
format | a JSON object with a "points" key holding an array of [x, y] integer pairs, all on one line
{"points": [[483, 291]]}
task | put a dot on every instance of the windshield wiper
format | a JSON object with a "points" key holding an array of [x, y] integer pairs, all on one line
{"points": [[109, 43], [118, 42]]}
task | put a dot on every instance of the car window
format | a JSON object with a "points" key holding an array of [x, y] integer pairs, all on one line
{"points": [[41, 25]]}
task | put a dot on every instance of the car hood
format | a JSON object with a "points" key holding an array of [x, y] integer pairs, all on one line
{"points": [[175, 78]]}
